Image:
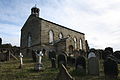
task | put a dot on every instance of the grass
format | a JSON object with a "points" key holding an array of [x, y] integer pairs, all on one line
{"points": [[10, 71]]}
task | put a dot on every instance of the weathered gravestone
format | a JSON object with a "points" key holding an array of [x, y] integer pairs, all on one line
{"points": [[110, 69], [44, 52], [0, 41], [7, 54], [117, 54], [53, 59], [108, 51], [93, 66], [62, 59], [34, 56], [21, 60], [38, 66], [2, 56], [80, 65], [71, 60], [63, 74]]}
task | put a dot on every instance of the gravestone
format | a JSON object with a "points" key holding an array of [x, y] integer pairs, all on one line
{"points": [[110, 69], [7, 54], [62, 59], [71, 60], [53, 58], [80, 65], [44, 52], [108, 51], [93, 64], [34, 56], [2, 56], [117, 54], [50, 54], [63, 74], [0, 41], [91, 54], [21, 60], [38, 66]]}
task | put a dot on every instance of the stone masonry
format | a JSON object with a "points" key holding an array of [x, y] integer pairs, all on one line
{"points": [[38, 28]]}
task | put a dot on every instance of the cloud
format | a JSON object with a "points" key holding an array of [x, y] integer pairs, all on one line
{"points": [[98, 19], [10, 34]]}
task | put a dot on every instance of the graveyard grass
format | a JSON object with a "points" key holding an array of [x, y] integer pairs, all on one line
{"points": [[10, 71]]}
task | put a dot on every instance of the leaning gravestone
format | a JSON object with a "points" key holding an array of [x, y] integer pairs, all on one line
{"points": [[63, 74], [39, 65], [80, 65], [62, 59]]}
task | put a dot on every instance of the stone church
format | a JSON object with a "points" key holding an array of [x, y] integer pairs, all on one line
{"points": [[38, 34]]}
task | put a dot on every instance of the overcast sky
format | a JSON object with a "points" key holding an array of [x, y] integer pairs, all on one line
{"points": [[98, 19]]}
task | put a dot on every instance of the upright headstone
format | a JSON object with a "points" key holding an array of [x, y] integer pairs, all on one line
{"points": [[117, 54], [39, 65], [7, 55], [44, 52], [108, 51], [93, 64], [62, 59], [0, 41], [80, 65], [53, 58], [110, 69], [2, 56], [91, 54], [21, 60], [71, 60], [34, 56]]}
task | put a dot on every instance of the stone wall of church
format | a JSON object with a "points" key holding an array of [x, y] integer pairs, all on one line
{"points": [[31, 27], [39, 30], [46, 26]]}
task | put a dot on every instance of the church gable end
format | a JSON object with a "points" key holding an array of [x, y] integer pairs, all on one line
{"points": [[43, 32]]}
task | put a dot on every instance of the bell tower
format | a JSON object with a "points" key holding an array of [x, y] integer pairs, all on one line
{"points": [[35, 11]]}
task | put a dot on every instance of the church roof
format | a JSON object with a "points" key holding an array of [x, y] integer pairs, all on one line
{"points": [[62, 26], [52, 23]]}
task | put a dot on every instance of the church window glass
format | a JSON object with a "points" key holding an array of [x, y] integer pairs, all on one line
{"points": [[51, 36], [75, 43]]}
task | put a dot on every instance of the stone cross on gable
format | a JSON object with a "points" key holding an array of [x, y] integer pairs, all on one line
{"points": [[40, 54], [21, 60]]}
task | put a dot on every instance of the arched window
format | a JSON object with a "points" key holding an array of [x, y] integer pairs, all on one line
{"points": [[75, 43], [68, 36], [60, 36], [80, 43], [29, 40], [51, 36]]}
